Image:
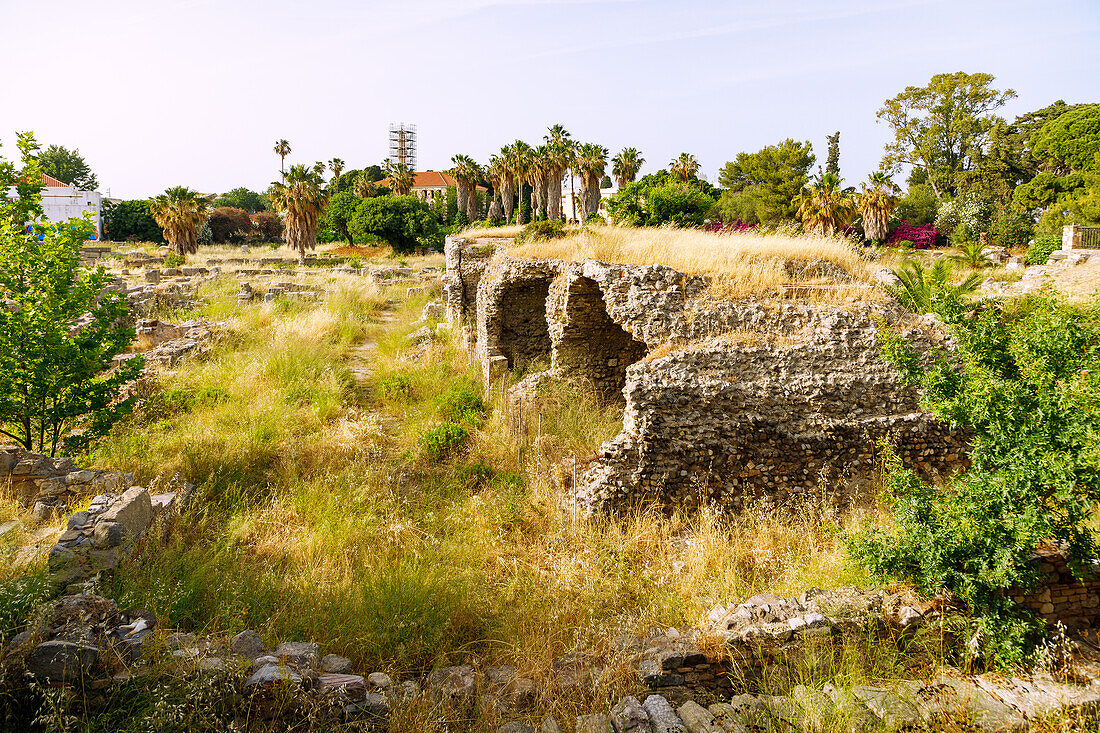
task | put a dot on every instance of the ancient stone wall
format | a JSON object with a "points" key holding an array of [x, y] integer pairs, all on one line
{"points": [[727, 401], [1060, 596]]}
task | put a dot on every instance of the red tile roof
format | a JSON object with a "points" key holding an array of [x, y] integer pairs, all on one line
{"points": [[51, 182], [427, 179]]}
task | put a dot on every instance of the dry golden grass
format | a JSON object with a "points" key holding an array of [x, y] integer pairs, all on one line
{"points": [[741, 264]]}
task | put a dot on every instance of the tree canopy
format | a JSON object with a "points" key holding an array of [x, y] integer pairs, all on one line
{"points": [[941, 127], [243, 198], [403, 221], [68, 166], [761, 186]]}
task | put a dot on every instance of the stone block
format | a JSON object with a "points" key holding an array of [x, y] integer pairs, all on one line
{"points": [[248, 645], [272, 674], [107, 534], [350, 685], [301, 654], [335, 664], [455, 686], [628, 716], [61, 661], [662, 717], [133, 510]]}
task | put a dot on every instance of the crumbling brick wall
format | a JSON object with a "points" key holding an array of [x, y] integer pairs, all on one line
{"points": [[1060, 595]]}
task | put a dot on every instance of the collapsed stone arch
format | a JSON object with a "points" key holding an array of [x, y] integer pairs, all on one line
{"points": [[588, 343]]}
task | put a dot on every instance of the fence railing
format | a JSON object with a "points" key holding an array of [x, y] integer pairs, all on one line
{"points": [[1090, 237]]}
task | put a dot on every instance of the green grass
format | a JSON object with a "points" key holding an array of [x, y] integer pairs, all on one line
{"points": [[321, 515]]}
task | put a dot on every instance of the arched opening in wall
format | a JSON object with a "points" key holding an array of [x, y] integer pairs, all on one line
{"points": [[524, 337], [593, 345]]}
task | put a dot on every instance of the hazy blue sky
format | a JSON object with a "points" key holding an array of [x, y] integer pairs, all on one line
{"points": [[196, 92]]}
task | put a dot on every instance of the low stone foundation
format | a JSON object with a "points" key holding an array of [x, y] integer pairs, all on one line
{"points": [[1060, 596]]}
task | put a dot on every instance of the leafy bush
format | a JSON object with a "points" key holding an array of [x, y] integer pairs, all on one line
{"points": [[403, 221], [1026, 382], [1040, 249], [130, 221], [918, 205], [206, 235], [268, 226], [966, 217], [174, 260], [395, 386], [462, 404], [1012, 227], [677, 203], [541, 231], [444, 439], [923, 236]]}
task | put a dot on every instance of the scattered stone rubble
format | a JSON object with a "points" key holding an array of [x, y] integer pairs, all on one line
{"points": [[167, 343], [51, 484], [97, 538], [726, 401], [85, 642]]}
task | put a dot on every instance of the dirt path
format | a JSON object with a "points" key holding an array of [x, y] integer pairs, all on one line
{"points": [[361, 356]]}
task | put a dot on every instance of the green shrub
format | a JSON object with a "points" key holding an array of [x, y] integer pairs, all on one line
{"points": [[541, 231], [1040, 249], [462, 404], [395, 386], [174, 260], [444, 440], [1025, 382], [906, 244]]}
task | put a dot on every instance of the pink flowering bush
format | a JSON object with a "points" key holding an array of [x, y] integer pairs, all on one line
{"points": [[923, 236]]}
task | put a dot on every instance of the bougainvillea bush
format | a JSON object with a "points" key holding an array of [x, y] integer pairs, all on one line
{"points": [[729, 226], [923, 236]]}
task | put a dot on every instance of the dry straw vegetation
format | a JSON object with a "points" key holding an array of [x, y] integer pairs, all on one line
{"points": [[321, 514], [741, 263]]}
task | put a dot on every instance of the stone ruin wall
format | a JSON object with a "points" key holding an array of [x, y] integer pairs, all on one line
{"points": [[727, 401]]}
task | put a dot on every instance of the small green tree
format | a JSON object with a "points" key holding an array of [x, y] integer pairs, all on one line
{"points": [[59, 332], [932, 290], [68, 166], [403, 221], [339, 212], [130, 221], [1025, 381]]}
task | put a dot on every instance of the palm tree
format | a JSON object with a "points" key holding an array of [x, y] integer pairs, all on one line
{"points": [[877, 200], [685, 166], [364, 186], [282, 149], [590, 165], [825, 207], [300, 197], [520, 165], [540, 180], [507, 183], [466, 173], [180, 212], [337, 167], [625, 166], [972, 254], [400, 177], [563, 152], [495, 172], [928, 291]]}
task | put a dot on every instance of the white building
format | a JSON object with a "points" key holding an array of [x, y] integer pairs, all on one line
{"points": [[61, 202]]}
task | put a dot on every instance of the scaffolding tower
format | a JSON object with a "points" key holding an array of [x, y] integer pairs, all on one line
{"points": [[403, 145]]}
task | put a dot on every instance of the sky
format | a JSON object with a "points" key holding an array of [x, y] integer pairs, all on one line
{"points": [[196, 92]]}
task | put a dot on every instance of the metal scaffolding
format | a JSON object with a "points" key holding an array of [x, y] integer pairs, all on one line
{"points": [[403, 144]]}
